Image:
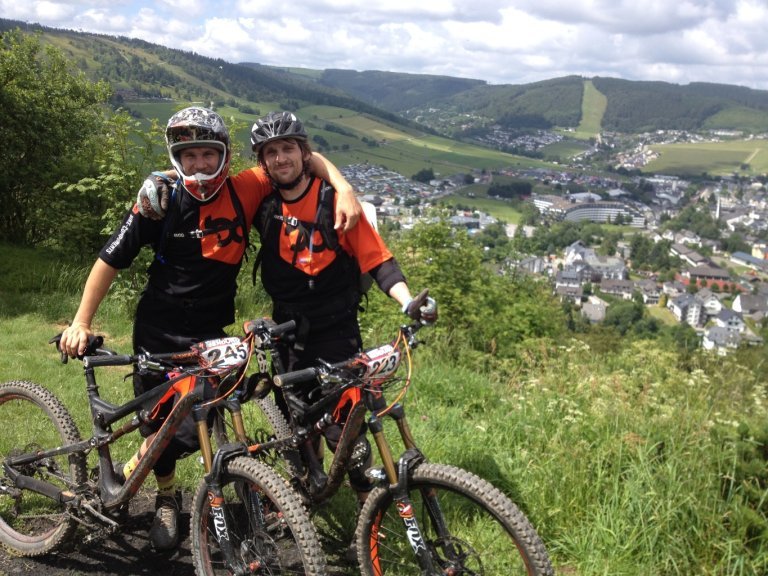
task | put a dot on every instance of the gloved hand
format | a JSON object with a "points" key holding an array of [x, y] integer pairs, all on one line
{"points": [[422, 308], [154, 195], [258, 385]]}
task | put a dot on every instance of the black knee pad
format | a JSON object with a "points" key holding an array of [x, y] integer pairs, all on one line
{"points": [[359, 462]]}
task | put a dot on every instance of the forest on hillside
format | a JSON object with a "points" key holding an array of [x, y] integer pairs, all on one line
{"points": [[141, 69]]}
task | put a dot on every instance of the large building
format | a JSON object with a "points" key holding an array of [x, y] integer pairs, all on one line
{"points": [[601, 212]]}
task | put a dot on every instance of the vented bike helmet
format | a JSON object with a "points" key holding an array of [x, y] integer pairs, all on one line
{"points": [[275, 126], [196, 126]]}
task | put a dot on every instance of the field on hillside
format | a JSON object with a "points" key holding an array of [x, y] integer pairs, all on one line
{"points": [[592, 110], [752, 121], [405, 150], [496, 208], [398, 148], [564, 150], [748, 157]]}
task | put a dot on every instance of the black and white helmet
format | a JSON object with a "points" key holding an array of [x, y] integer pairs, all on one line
{"points": [[275, 126], [196, 126]]}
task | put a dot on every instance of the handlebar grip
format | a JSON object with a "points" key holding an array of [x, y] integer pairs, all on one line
{"points": [[281, 329], [296, 377], [115, 360]]}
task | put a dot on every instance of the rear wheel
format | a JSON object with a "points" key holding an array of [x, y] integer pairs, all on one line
{"points": [[468, 526], [269, 529], [33, 419]]}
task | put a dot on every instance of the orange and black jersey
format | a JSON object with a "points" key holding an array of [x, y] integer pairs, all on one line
{"points": [[201, 244], [300, 266]]}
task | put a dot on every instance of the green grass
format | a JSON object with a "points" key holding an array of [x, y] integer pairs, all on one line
{"points": [[496, 208], [662, 314], [619, 459], [748, 157], [593, 108], [747, 119], [564, 150]]}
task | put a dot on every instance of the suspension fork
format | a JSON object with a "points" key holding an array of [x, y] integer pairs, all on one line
{"points": [[214, 467], [397, 476], [429, 495]]}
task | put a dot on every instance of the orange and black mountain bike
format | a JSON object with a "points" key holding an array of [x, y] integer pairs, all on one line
{"points": [[245, 518], [422, 518]]}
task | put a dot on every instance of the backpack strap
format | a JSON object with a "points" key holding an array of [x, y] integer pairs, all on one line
{"points": [[270, 210], [240, 213], [324, 217]]}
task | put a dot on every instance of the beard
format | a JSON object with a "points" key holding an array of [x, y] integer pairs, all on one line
{"points": [[283, 183]]}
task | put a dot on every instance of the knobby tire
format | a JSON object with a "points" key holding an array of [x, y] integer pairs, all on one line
{"points": [[33, 418], [486, 533], [270, 529], [291, 458]]}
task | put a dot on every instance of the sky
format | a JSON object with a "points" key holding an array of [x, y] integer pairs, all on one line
{"points": [[499, 41]]}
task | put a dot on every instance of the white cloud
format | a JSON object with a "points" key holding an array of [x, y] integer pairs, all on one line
{"points": [[495, 40]]}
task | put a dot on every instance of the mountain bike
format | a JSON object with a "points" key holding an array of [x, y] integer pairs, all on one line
{"points": [[422, 518], [245, 518]]}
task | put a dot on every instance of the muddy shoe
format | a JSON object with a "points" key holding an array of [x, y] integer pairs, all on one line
{"points": [[350, 554], [117, 467], [164, 534]]}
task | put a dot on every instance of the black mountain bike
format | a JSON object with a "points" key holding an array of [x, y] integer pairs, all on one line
{"points": [[423, 518], [245, 518]]}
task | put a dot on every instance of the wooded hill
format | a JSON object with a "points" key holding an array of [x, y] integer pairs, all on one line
{"points": [[632, 106], [139, 69], [136, 68]]}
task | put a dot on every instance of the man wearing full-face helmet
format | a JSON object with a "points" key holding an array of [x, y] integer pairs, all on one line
{"points": [[189, 296], [195, 127]]}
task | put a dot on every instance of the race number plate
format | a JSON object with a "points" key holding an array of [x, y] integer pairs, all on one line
{"points": [[383, 361], [223, 354]]}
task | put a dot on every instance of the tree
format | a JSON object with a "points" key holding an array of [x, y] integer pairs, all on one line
{"points": [[424, 175], [496, 313], [623, 315], [49, 118]]}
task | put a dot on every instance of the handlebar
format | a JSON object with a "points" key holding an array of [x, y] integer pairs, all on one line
{"points": [[407, 332], [265, 332]]}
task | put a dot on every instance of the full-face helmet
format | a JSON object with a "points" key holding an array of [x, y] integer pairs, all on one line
{"points": [[275, 126], [194, 127]]}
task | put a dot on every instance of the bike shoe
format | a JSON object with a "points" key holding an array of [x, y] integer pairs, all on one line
{"points": [[164, 534], [119, 474]]}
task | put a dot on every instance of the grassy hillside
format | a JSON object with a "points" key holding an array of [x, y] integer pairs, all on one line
{"points": [[398, 148], [747, 157], [629, 459], [593, 108], [540, 104], [394, 91], [646, 106]]}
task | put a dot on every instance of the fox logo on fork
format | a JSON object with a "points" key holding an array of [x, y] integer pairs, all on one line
{"points": [[218, 518], [412, 529]]}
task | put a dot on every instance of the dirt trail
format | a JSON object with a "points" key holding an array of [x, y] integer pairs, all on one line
{"points": [[130, 553]]}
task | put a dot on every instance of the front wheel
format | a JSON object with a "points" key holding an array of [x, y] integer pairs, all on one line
{"points": [[269, 530], [33, 419], [468, 527]]}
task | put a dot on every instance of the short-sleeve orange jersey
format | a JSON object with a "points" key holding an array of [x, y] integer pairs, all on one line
{"points": [[297, 252], [362, 242], [251, 186]]}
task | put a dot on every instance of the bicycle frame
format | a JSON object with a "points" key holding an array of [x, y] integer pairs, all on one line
{"points": [[111, 493], [371, 401]]}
